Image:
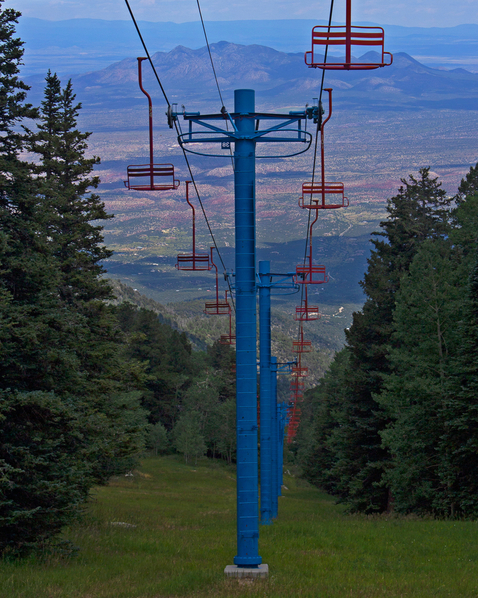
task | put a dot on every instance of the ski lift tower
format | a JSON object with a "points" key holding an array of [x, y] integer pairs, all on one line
{"points": [[243, 129]]}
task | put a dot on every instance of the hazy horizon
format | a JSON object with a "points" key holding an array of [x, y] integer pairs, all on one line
{"points": [[408, 13]]}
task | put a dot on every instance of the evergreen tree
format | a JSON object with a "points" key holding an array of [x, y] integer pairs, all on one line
{"points": [[420, 211], [13, 93], [69, 409], [65, 175], [468, 186], [29, 277], [430, 392], [46, 469], [417, 391], [321, 458], [459, 441]]}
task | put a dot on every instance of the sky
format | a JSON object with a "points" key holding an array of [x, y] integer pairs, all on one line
{"points": [[418, 13]]}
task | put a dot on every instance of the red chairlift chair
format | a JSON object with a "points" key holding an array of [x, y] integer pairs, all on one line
{"points": [[335, 37], [323, 191], [305, 312], [294, 412], [217, 308], [196, 260], [308, 272], [298, 370], [221, 308], [150, 177], [296, 385], [323, 195], [228, 339], [300, 345]]}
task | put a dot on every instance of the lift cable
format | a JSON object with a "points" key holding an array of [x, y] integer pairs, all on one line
{"points": [[314, 164], [184, 152], [210, 55], [223, 108], [147, 53]]}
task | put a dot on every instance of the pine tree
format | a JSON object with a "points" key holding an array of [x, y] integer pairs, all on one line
{"points": [[46, 469], [69, 404], [416, 392], [66, 177], [29, 275], [420, 211], [321, 458], [468, 186], [459, 441]]}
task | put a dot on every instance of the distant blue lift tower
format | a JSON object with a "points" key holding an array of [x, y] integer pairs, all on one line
{"points": [[269, 283], [245, 133]]}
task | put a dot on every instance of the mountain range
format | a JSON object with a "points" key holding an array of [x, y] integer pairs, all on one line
{"points": [[80, 45], [280, 78]]}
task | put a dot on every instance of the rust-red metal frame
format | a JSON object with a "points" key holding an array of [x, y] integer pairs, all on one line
{"points": [[323, 189], [301, 345], [305, 312], [150, 171], [228, 339], [194, 261], [348, 36], [217, 308]]}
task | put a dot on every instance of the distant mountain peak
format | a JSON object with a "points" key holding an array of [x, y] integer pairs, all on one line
{"points": [[282, 75]]}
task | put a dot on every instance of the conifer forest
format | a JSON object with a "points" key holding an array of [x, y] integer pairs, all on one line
{"points": [[89, 383]]}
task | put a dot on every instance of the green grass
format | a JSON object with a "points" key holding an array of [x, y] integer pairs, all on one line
{"points": [[184, 536]]}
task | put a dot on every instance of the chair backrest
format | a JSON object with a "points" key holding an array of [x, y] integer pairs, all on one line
{"points": [[359, 36], [217, 308], [338, 35], [310, 274], [193, 261], [158, 177], [315, 195]]}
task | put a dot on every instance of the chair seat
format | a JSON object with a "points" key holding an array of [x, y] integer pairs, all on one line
{"points": [[193, 261], [151, 177], [323, 196]]}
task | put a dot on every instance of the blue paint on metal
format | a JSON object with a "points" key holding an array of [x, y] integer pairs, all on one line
{"points": [[245, 134], [275, 440], [265, 392], [269, 283], [246, 409], [282, 415]]}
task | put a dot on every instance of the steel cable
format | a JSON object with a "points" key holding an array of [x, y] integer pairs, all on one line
{"points": [[314, 163], [223, 108], [183, 150]]}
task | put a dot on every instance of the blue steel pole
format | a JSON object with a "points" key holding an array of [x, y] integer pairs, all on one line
{"points": [[282, 418], [275, 439], [246, 365], [265, 391]]}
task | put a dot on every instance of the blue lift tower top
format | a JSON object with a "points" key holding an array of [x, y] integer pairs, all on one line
{"points": [[245, 133]]}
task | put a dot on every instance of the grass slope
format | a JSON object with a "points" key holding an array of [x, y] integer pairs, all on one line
{"points": [[181, 534]]}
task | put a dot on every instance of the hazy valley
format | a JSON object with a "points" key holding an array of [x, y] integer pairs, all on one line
{"points": [[385, 125]]}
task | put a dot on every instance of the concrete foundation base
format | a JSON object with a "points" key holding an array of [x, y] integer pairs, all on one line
{"points": [[260, 572]]}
